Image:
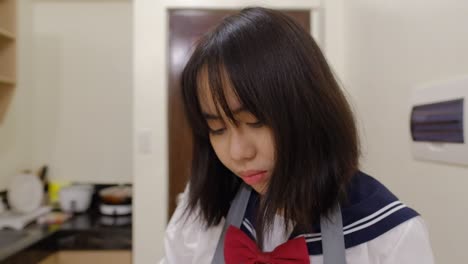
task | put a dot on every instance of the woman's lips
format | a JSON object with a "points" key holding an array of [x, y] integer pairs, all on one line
{"points": [[253, 177]]}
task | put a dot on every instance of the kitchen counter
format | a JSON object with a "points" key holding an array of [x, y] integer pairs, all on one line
{"points": [[88, 231]]}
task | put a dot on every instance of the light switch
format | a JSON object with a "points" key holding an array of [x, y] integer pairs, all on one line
{"points": [[144, 141]]}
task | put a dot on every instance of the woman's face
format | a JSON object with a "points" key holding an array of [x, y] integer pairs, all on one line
{"points": [[246, 149]]}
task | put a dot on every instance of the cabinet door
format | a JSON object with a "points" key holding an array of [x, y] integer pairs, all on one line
{"points": [[90, 256], [52, 259]]}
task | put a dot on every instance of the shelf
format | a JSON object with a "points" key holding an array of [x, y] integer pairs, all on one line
{"points": [[7, 54], [6, 96], [5, 80], [6, 34]]}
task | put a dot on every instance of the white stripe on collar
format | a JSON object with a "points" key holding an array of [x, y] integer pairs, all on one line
{"points": [[362, 223]]}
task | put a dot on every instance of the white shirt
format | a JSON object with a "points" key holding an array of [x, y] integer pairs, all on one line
{"points": [[188, 242]]}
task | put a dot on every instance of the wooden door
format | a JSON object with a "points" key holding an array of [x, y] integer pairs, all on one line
{"points": [[185, 27]]}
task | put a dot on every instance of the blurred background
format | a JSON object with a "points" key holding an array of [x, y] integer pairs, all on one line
{"points": [[94, 147]]}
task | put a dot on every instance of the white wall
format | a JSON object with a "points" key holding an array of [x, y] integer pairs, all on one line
{"points": [[150, 106], [82, 89], [391, 47]]}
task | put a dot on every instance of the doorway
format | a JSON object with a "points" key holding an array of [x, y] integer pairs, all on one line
{"points": [[185, 27]]}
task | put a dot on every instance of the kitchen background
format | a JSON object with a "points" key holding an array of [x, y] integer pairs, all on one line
{"points": [[73, 103], [71, 110], [91, 99]]}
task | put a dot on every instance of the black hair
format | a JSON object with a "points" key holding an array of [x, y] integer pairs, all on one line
{"points": [[280, 75]]}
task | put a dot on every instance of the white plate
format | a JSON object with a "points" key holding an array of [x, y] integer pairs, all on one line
{"points": [[25, 193]]}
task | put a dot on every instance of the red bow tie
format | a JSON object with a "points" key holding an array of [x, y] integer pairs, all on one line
{"points": [[239, 248]]}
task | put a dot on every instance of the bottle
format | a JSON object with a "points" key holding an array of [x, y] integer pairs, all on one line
{"points": [[45, 182]]}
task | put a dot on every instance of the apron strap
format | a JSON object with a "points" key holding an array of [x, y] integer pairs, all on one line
{"points": [[332, 238], [332, 229], [234, 217]]}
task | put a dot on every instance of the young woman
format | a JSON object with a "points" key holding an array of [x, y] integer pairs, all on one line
{"points": [[270, 120]]}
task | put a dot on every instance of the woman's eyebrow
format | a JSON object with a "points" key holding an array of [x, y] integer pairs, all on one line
{"points": [[209, 116]]}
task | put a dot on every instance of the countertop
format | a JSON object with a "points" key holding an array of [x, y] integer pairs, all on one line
{"points": [[87, 231]]}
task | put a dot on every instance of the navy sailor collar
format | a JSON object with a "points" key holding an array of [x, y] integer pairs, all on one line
{"points": [[371, 211]]}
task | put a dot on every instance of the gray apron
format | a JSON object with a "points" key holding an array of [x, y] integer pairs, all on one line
{"points": [[332, 230]]}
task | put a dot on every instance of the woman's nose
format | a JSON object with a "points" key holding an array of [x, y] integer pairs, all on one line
{"points": [[241, 147]]}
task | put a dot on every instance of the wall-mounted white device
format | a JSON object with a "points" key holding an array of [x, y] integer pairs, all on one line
{"points": [[438, 121]]}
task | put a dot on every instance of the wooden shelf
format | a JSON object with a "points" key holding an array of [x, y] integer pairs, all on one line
{"points": [[7, 55], [6, 34], [6, 80], [6, 96]]}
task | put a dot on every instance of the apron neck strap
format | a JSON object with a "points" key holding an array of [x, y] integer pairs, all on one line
{"points": [[234, 217], [332, 229], [332, 237]]}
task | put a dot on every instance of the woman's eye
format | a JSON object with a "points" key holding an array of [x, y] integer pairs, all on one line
{"points": [[255, 124], [217, 131]]}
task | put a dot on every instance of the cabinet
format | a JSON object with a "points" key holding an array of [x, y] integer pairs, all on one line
{"points": [[89, 256], [7, 54]]}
